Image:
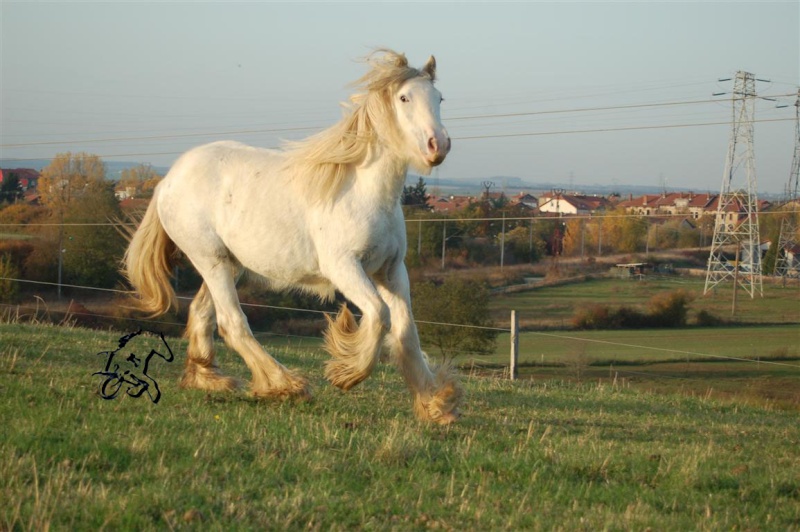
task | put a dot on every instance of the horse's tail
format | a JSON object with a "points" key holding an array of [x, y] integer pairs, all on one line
{"points": [[148, 264]]}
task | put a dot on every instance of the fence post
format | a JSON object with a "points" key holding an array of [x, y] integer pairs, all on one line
{"points": [[514, 345]]}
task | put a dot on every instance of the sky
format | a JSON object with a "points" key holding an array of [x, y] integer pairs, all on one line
{"points": [[546, 92]]}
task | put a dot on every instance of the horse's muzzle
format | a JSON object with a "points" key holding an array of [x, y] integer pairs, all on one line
{"points": [[438, 148]]}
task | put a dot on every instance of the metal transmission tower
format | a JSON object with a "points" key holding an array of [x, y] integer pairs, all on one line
{"points": [[788, 235], [736, 224]]}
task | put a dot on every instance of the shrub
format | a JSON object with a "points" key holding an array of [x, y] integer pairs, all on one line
{"points": [[669, 309], [455, 301], [592, 317], [8, 289], [664, 310]]}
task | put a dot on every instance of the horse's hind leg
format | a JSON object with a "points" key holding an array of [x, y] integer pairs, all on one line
{"points": [[201, 372], [270, 378]]}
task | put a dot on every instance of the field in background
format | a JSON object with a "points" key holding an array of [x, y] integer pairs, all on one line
{"points": [[544, 454], [554, 306], [754, 357], [692, 360]]}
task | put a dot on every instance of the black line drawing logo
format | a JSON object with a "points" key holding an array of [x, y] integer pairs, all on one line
{"points": [[136, 375]]}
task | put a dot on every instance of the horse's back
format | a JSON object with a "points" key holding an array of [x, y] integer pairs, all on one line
{"points": [[208, 175], [230, 198]]}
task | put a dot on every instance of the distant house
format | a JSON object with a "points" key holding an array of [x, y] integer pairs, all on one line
{"points": [[448, 203], [688, 203], [572, 204], [528, 200], [28, 177], [124, 192]]}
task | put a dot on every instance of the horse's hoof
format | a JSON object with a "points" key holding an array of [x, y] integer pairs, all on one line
{"points": [[209, 379], [294, 387]]}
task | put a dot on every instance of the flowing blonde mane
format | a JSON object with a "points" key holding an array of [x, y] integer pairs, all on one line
{"points": [[321, 162]]}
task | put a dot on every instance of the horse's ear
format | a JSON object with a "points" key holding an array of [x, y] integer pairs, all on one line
{"points": [[430, 68]]}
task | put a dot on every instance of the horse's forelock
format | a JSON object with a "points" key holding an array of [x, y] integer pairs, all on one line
{"points": [[390, 69]]}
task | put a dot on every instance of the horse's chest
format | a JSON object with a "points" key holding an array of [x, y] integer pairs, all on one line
{"points": [[373, 238]]}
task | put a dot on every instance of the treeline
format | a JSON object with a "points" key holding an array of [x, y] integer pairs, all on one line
{"points": [[70, 237]]}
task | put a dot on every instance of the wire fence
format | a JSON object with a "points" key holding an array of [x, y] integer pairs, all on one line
{"points": [[472, 359], [644, 349]]}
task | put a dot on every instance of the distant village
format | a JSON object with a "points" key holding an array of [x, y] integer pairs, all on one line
{"points": [[553, 203], [686, 207]]}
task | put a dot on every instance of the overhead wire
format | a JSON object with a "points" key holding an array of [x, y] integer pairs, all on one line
{"points": [[319, 127]]}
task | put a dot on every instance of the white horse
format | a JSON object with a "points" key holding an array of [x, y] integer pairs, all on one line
{"points": [[321, 215]]}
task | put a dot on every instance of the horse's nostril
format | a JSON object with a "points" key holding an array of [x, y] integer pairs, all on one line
{"points": [[433, 147]]}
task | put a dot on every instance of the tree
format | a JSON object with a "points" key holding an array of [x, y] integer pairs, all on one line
{"points": [[142, 178], [525, 245], [67, 176], [622, 232], [92, 252], [455, 301], [415, 196], [11, 189]]}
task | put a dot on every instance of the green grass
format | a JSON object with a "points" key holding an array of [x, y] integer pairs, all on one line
{"points": [[555, 306], [651, 345], [538, 454]]}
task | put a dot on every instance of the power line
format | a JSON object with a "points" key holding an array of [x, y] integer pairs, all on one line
{"points": [[491, 136], [608, 130], [593, 109], [309, 128]]}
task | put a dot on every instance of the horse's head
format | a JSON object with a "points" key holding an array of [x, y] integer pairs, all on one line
{"points": [[416, 105], [401, 104]]}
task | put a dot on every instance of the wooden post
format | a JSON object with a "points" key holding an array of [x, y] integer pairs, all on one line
{"points": [[735, 279], [444, 241], [514, 345]]}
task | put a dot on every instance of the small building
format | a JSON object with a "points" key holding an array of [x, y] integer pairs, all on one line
{"points": [[633, 269], [28, 177]]}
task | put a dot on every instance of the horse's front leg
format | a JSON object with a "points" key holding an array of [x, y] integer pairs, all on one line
{"points": [[437, 392], [355, 347]]}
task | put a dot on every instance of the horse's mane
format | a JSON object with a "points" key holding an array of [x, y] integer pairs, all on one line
{"points": [[320, 162]]}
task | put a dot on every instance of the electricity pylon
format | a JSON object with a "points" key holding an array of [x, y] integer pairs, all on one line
{"points": [[788, 235], [736, 223]]}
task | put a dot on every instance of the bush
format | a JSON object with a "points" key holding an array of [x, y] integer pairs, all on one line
{"points": [[669, 309], [455, 301], [8, 289], [664, 310]]}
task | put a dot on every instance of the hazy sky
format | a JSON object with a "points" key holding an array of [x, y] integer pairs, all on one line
{"points": [[144, 82]]}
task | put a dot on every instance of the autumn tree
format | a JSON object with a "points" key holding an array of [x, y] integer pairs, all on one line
{"points": [[622, 232], [92, 248], [67, 176], [143, 178]]}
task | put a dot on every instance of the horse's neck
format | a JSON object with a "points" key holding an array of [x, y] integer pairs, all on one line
{"points": [[381, 177]]}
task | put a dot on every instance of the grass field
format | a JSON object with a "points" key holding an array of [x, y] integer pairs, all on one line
{"points": [[555, 306], [538, 454]]}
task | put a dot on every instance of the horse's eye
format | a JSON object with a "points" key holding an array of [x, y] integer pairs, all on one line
{"points": [[404, 98]]}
